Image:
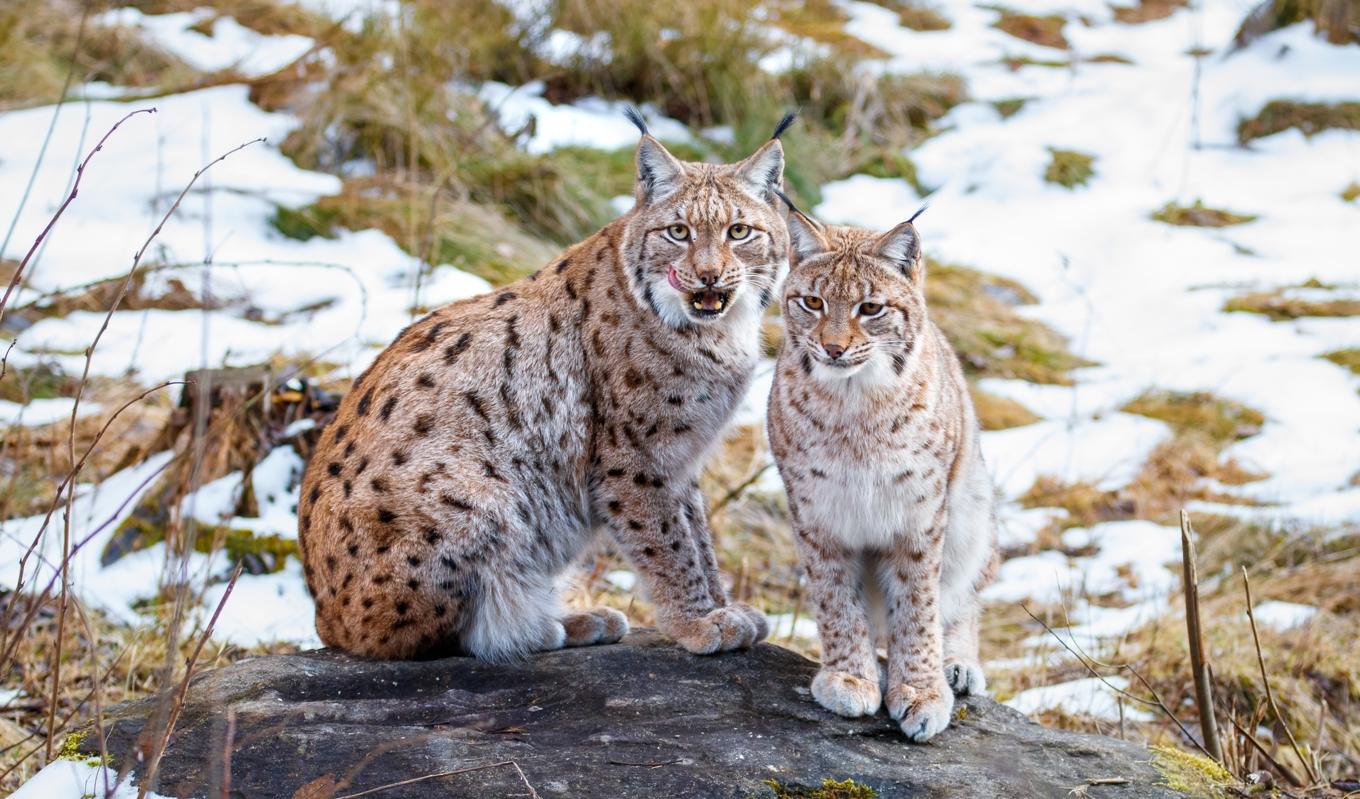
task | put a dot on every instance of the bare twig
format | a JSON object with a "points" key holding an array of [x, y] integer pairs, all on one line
{"points": [[1277, 765], [467, 770], [1265, 679], [1204, 696], [1156, 700], [70, 198]]}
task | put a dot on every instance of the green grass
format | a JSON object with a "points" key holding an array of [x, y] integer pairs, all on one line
{"points": [[1221, 420], [1069, 168], [1200, 215], [1348, 359], [1309, 118]]}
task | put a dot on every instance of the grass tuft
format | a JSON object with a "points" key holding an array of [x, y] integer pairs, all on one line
{"points": [[1347, 359], [995, 412], [1148, 11], [829, 789], [1046, 31], [916, 16], [1200, 215], [1069, 168], [1280, 305], [1351, 193], [1309, 118], [1222, 421]]}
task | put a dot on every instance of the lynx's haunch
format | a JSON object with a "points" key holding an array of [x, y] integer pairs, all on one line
{"points": [[876, 440], [486, 447]]}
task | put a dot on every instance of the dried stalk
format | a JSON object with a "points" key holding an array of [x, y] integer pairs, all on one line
{"points": [[1270, 695], [1204, 696]]}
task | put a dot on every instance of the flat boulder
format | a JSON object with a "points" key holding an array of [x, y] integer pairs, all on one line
{"points": [[641, 718]]}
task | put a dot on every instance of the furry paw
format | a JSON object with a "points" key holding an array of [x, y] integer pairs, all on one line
{"points": [[922, 712], [845, 694], [554, 637], [594, 626], [965, 678], [757, 618], [720, 630]]}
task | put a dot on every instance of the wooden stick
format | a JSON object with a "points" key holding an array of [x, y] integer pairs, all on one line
{"points": [[1204, 696], [523, 778], [1280, 767], [1270, 695]]}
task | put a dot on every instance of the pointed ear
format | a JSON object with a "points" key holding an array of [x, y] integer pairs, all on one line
{"points": [[806, 238], [658, 172], [763, 171], [902, 246]]}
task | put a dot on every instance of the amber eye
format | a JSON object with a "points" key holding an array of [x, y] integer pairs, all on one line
{"points": [[812, 303], [738, 232], [678, 232], [870, 309]]}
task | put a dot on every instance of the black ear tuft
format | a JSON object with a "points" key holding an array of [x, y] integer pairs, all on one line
{"points": [[919, 211], [785, 123], [635, 116], [787, 201]]}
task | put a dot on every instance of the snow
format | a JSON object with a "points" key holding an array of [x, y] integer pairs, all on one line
{"points": [[589, 122], [1089, 696], [73, 779], [230, 46], [786, 625], [1283, 616], [42, 411]]}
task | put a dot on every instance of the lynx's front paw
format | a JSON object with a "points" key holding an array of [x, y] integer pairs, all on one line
{"points": [[845, 694], [922, 712], [736, 626], [965, 678], [595, 626]]}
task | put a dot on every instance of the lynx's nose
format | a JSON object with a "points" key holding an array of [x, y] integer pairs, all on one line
{"points": [[707, 276], [834, 350]]}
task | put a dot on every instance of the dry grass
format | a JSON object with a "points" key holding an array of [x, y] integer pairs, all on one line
{"points": [[41, 42], [1279, 305], [1348, 359], [1351, 193], [1000, 413], [1308, 118], [1221, 420], [915, 15], [1148, 11], [1069, 168], [1200, 215], [1046, 31], [1338, 21]]}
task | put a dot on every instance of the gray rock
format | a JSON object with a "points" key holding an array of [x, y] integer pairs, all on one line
{"points": [[641, 718]]}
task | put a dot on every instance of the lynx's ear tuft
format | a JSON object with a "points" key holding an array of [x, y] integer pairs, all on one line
{"points": [[762, 172], [635, 116], [658, 172], [785, 123], [806, 236], [902, 246]]}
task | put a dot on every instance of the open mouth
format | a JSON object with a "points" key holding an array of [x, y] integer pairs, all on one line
{"points": [[709, 302]]}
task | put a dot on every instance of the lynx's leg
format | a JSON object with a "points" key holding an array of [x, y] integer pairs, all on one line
{"points": [[918, 696], [594, 626], [848, 683], [962, 670], [702, 539], [647, 518]]}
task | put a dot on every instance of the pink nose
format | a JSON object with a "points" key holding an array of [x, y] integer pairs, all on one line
{"points": [[834, 350]]}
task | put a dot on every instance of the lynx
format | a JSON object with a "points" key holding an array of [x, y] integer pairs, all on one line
{"points": [[490, 442], [876, 439]]}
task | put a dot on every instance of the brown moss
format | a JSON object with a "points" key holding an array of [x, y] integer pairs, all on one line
{"points": [[1351, 193], [821, 21], [916, 16], [1279, 305], [1148, 11], [1347, 359], [1199, 215], [1069, 168], [1046, 31], [1309, 118], [999, 413], [1221, 420]]}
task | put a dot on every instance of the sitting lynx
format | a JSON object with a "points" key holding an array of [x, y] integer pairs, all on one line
{"points": [[877, 442], [484, 449]]}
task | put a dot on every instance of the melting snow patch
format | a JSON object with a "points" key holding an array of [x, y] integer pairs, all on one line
{"points": [[41, 411], [231, 45], [1086, 697], [588, 122], [1282, 616], [73, 779]]}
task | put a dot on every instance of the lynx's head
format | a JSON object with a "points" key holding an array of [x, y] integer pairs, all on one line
{"points": [[854, 300], [703, 239]]}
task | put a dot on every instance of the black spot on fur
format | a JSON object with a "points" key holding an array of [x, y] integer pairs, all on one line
{"points": [[365, 401], [379, 484], [425, 381], [504, 297], [614, 506], [423, 424], [349, 449], [348, 486], [333, 469], [562, 265], [399, 458], [387, 407], [315, 492], [456, 349], [386, 516]]}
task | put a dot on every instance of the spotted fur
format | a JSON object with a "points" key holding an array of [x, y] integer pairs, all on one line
{"points": [[487, 446], [876, 439]]}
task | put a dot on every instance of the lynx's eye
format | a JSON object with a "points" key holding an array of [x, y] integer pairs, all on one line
{"points": [[678, 232], [870, 309], [812, 303], [738, 232]]}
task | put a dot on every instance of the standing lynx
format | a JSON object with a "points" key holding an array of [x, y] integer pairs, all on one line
{"points": [[877, 442], [485, 448]]}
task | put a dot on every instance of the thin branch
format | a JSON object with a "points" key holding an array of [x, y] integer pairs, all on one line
{"points": [[1277, 765], [70, 198], [1270, 695]]}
